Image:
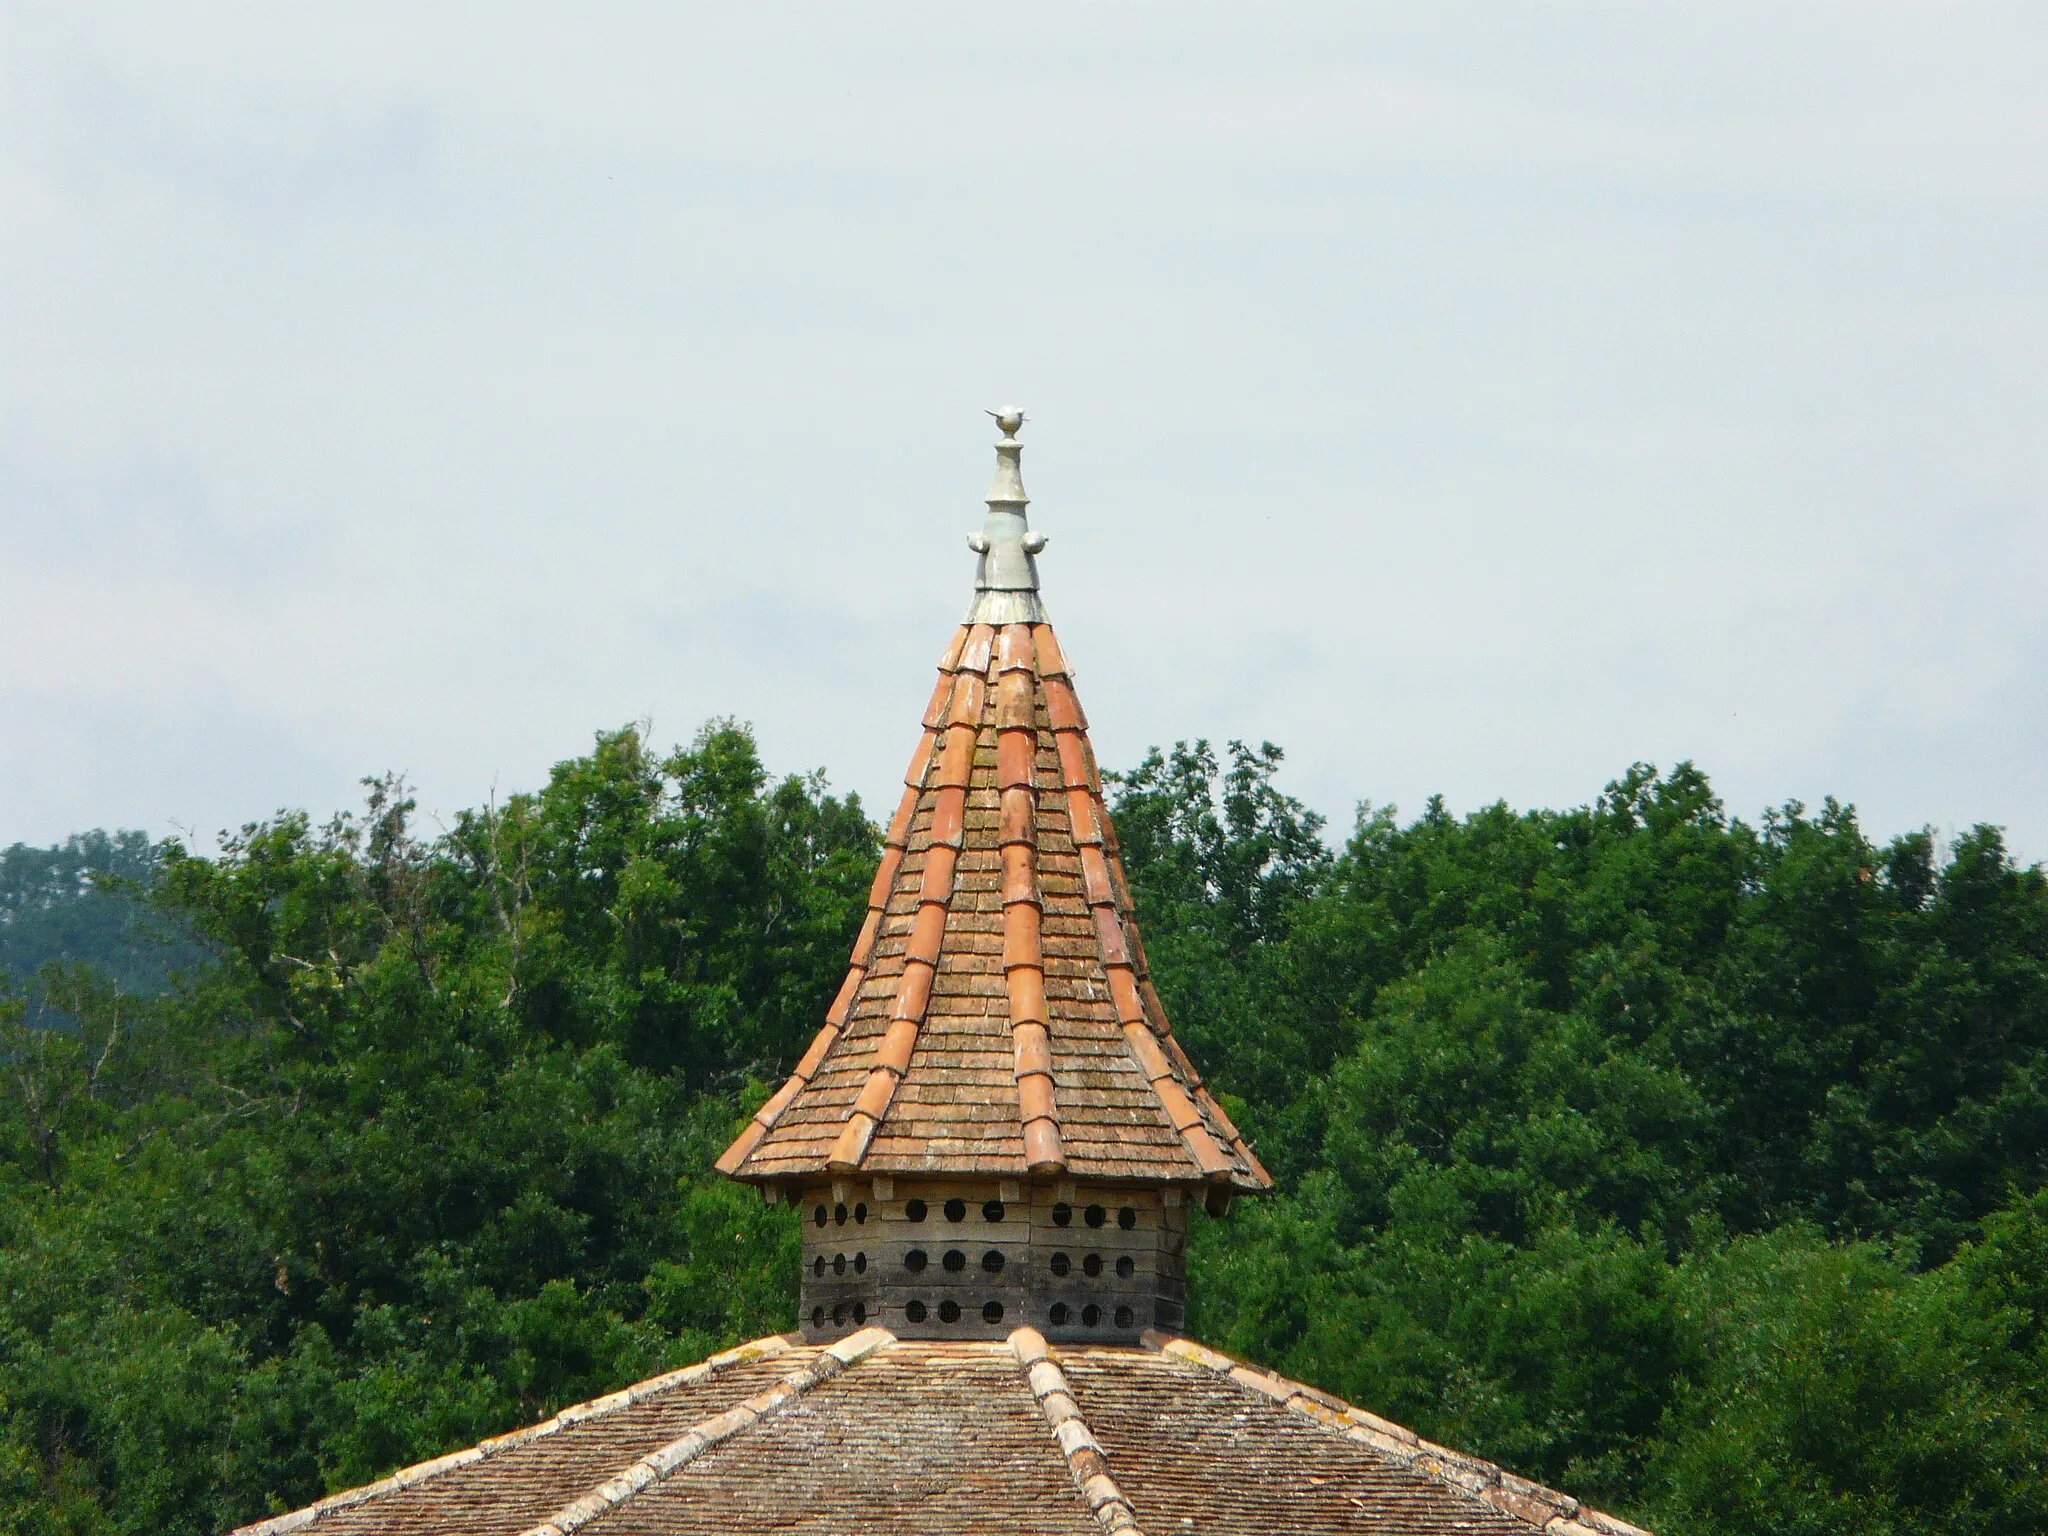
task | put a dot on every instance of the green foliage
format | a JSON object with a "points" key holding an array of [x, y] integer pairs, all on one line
{"points": [[84, 901], [424, 1152], [1684, 1164], [1693, 1166]]}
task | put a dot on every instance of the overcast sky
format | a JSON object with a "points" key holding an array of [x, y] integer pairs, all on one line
{"points": [[1468, 399]]}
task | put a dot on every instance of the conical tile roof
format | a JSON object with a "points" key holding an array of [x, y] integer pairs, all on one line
{"points": [[997, 1017]]}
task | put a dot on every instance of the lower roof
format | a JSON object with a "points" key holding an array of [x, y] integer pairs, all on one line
{"points": [[876, 1434]]}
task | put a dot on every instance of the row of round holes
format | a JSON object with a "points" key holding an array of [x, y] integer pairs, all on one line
{"points": [[992, 1261], [991, 1312], [991, 1210]]}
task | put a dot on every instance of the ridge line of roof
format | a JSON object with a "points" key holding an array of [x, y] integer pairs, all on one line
{"points": [[576, 1413], [708, 1433], [1086, 1459], [1546, 1509], [1018, 680]]}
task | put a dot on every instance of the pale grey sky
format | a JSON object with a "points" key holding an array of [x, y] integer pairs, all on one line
{"points": [[1467, 398]]}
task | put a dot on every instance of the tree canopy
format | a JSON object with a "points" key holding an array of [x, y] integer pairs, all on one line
{"points": [[1692, 1165]]}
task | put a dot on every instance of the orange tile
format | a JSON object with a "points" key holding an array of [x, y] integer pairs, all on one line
{"points": [[1020, 882], [821, 1044], [1145, 1049], [1155, 1011], [1034, 1096], [970, 693], [941, 701], [1074, 763], [949, 815], [935, 886], [848, 990], [956, 762], [974, 655], [1081, 816], [1061, 707], [1123, 992], [1019, 823], [1013, 759], [921, 760], [1095, 876], [950, 657], [1033, 1052], [1014, 649], [913, 991], [899, 825], [769, 1113], [1050, 662], [884, 882], [1021, 943], [852, 1144], [1013, 704], [897, 1044], [1109, 934], [926, 936], [748, 1139], [1043, 1152], [1026, 987]]}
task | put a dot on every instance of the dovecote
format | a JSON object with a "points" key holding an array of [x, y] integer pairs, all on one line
{"points": [[977, 1259]]}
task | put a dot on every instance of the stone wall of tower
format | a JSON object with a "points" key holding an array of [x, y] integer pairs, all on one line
{"points": [[974, 1259]]}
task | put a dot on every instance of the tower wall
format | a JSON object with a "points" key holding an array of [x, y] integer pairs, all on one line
{"points": [[974, 1259]]}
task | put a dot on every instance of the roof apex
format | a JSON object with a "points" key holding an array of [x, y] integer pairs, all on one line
{"points": [[1006, 579]]}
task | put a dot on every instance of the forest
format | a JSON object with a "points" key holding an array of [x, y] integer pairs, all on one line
{"points": [[1692, 1164]]}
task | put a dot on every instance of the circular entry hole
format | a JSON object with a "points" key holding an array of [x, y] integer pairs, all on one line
{"points": [[1091, 1315], [838, 1263], [1092, 1265], [1061, 1214], [817, 1317], [992, 1312], [949, 1311], [860, 1263], [913, 1311], [1125, 1317], [915, 1260], [1059, 1314], [992, 1261], [839, 1215], [1127, 1218], [818, 1267], [1060, 1263], [860, 1215], [818, 1217], [839, 1313], [955, 1261], [956, 1209], [1096, 1215], [1126, 1267], [992, 1210], [914, 1211], [860, 1312]]}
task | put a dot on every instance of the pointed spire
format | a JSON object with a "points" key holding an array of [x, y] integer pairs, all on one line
{"points": [[997, 1017], [1006, 580]]}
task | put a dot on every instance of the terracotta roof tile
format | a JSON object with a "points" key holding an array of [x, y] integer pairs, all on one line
{"points": [[959, 1439]]}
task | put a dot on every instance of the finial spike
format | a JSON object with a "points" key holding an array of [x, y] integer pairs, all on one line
{"points": [[1006, 581]]}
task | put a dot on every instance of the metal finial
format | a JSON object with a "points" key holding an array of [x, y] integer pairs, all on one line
{"points": [[1006, 580]]}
